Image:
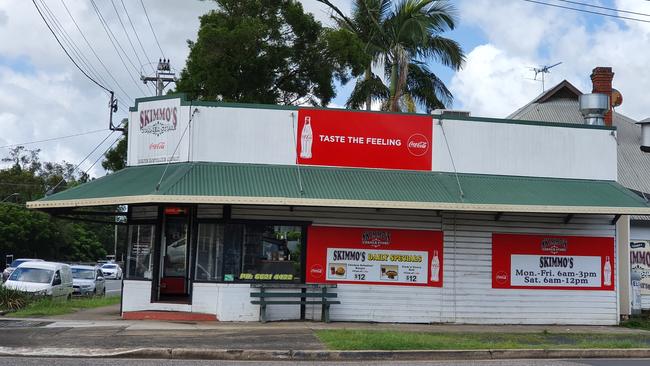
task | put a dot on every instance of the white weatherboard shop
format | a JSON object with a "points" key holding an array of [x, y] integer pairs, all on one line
{"points": [[415, 218]]}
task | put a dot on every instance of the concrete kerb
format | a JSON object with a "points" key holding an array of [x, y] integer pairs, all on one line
{"points": [[292, 355]]}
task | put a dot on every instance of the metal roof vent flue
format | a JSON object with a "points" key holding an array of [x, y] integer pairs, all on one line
{"points": [[593, 108], [645, 135]]}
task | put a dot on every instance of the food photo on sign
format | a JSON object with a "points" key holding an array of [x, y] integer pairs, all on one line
{"points": [[552, 262], [374, 256]]}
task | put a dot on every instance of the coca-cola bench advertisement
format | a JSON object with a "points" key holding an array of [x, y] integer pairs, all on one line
{"points": [[548, 262], [377, 256]]}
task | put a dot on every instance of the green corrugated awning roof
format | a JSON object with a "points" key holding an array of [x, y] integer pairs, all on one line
{"points": [[225, 183]]}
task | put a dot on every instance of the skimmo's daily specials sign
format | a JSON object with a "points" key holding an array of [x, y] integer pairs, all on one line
{"points": [[377, 256], [552, 262]]}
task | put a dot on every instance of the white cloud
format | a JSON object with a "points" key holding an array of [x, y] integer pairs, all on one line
{"points": [[493, 83], [45, 96], [523, 34]]}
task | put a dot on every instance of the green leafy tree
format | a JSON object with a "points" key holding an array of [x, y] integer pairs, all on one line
{"points": [[28, 233], [262, 51], [115, 157], [406, 37]]}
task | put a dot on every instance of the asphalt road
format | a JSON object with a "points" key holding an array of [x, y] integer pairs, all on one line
{"points": [[10, 361], [113, 287]]}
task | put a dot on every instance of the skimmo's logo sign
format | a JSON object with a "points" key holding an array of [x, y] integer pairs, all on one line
{"points": [[157, 121]]}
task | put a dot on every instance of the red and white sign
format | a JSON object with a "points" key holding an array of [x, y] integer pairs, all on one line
{"points": [[364, 139], [374, 256], [552, 262], [157, 133]]}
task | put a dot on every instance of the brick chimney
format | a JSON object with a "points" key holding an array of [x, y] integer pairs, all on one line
{"points": [[601, 79]]}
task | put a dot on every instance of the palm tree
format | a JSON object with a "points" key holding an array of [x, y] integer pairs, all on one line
{"points": [[366, 15], [406, 37]]}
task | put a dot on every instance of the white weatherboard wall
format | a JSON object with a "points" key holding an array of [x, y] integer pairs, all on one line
{"points": [[268, 135], [467, 295], [469, 298], [244, 135], [525, 150]]}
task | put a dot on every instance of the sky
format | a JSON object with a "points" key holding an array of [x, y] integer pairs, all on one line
{"points": [[43, 95]]}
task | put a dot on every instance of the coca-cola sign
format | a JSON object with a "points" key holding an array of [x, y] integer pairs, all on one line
{"points": [[364, 139], [156, 133], [559, 263], [157, 121], [418, 144], [413, 258]]}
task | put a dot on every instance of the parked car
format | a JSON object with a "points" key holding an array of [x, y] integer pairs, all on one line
{"points": [[42, 278], [16, 262], [112, 271], [88, 281]]}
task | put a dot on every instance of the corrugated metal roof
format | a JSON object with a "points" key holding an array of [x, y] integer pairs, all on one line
{"points": [[341, 186], [633, 164]]}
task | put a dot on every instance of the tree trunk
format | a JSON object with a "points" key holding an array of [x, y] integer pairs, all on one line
{"points": [[392, 101], [368, 75]]}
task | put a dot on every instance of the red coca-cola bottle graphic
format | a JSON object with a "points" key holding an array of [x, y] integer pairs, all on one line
{"points": [[306, 139], [435, 267], [607, 272]]}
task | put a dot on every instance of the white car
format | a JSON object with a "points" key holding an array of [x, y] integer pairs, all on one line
{"points": [[112, 271], [88, 281], [10, 268], [42, 278]]}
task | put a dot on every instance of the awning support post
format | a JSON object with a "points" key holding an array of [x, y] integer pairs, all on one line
{"points": [[615, 219]]}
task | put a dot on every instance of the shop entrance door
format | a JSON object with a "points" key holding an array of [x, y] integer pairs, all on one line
{"points": [[173, 275]]}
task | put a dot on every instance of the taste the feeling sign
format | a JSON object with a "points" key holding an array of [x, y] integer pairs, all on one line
{"points": [[552, 262], [364, 139]]}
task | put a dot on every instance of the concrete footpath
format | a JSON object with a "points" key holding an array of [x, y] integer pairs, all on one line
{"points": [[100, 333]]}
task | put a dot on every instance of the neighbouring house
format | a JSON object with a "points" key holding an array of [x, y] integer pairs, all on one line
{"points": [[560, 105]]}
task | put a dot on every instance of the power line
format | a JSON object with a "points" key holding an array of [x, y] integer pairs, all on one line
{"points": [[152, 31], [136, 34], [66, 51], [92, 49], [119, 18], [588, 11], [604, 8], [51, 190], [65, 38], [108, 33], [51, 139], [103, 154]]}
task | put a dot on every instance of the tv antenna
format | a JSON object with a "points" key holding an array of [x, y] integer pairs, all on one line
{"points": [[541, 71]]}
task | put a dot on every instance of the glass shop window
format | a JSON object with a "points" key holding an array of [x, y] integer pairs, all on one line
{"points": [[140, 257], [249, 253]]}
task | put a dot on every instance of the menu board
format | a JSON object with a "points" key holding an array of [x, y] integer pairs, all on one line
{"points": [[374, 256], [640, 263], [552, 262]]}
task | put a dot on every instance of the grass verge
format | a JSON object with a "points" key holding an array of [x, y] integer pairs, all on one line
{"points": [[49, 307], [391, 340]]}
